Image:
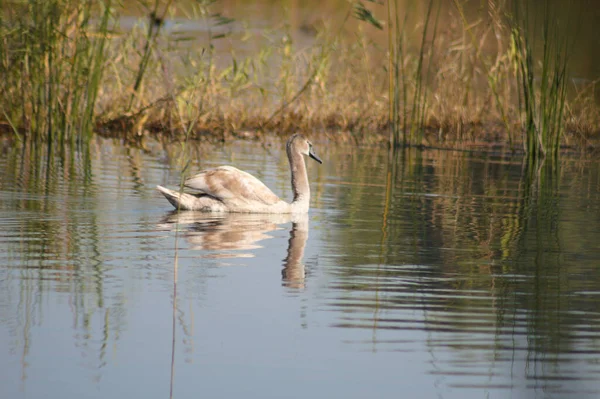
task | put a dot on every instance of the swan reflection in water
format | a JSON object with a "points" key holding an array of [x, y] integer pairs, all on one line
{"points": [[234, 235]]}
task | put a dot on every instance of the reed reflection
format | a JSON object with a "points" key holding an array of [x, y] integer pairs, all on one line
{"points": [[51, 246], [486, 254], [234, 235]]}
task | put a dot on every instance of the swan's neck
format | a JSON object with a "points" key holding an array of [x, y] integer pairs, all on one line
{"points": [[299, 182]]}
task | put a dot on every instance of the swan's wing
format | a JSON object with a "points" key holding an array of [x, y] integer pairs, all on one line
{"points": [[229, 183]]}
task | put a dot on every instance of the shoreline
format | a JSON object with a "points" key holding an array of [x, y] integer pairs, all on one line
{"points": [[480, 138]]}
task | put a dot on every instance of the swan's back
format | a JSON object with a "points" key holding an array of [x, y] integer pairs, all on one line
{"points": [[229, 184], [228, 189]]}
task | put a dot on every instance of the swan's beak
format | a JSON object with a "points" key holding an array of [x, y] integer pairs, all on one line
{"points": [[314, 156]]}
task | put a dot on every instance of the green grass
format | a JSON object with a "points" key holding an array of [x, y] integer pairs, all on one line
{"points": [[544, 87], [54, 54], [408, 84]]}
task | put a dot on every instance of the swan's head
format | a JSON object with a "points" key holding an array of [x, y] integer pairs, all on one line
{"points": [[299, 144]]}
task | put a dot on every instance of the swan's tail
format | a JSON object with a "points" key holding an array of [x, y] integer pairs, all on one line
{"points": [[183, 201], [192, 202]]}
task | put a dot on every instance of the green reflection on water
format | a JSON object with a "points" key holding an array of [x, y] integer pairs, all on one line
{"points": [[476, 242], [55, 216]]}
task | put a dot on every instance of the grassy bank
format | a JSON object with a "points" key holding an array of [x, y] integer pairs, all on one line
{"points": [[69, 70]]}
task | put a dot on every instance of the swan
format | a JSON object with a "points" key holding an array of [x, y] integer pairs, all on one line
{"points": [[228, 189]]}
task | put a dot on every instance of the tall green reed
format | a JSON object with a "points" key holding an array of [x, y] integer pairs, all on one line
{"points": [[154, 27], [543, 82], [53, 57], [408, 76]]}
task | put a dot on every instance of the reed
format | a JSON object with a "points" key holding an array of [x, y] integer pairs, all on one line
{"points": [[154, 27], [408, 77], [543, 89], [495, 67], [52, 66], [412, 80]]}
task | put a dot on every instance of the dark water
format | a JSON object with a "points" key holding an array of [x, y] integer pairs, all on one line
{"points": [[450, 275]]}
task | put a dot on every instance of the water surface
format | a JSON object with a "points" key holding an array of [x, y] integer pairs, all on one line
{"points": [[446, 274]]}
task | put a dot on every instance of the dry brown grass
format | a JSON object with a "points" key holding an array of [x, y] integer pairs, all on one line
{"points": [[337, 86]]}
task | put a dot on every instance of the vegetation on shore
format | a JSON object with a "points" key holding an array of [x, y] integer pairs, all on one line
{"points": [[68, 70]]}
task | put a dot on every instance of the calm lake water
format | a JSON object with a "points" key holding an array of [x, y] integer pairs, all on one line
{"points": [[446, 275]]}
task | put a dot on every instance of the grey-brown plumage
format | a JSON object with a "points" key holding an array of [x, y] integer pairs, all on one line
{"points": [[228, 189]]}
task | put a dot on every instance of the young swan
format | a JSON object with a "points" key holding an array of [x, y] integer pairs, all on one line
{"points": [[228, 189]]}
